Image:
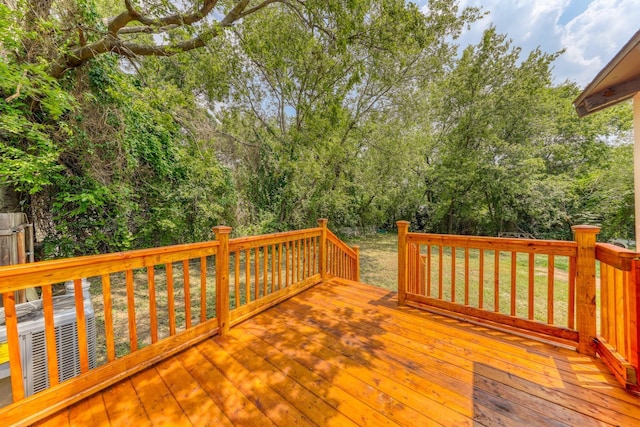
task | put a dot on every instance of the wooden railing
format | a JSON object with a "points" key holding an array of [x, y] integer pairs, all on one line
{"points": [[544, 287], [342, 260], [619, 333], [153, 303]]}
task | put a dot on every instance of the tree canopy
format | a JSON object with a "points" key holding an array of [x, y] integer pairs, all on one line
{"points": [[137, 123]]}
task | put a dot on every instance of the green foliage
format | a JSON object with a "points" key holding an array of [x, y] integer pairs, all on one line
{"points": [[135, 175], [362, 111], [28, 139]]}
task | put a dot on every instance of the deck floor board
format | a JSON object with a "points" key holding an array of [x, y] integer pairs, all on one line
{"points": [[343, 353]]}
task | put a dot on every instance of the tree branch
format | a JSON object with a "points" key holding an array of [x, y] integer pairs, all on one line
{"points": [[117, 26]]}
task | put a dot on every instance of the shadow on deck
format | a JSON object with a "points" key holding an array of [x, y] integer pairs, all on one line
{"points": [[343, 353]]}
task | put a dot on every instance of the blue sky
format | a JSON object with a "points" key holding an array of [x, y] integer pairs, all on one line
{"points": [[591, 31]]}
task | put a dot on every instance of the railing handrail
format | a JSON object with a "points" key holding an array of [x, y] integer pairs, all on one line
{"points": [[616, 256], [21, 276], [340, 244], [545, 247], [250, 242]]}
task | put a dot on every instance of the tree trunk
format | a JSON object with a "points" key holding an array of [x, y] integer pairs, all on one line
{"points": [[9, 201]]}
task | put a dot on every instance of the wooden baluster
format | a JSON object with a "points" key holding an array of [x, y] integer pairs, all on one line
{"points": [[334, 259], [203, 289], [279, 265], [611, 306], [343, 272], [620, 313], [287, 252], [572, 293], [153, 314], [265, 271], [403, 261], [356, 264], [531, 302], [187, 293], [50, 335], [222, 277], [108, 318], [410, 276], [297, 260], [305, 271], [171, 306], [273, 267], [605, 314], [81, 323], [236, 278], [481, 279], [314, 268], [247, 275], [328, 260], [634, 315], [13, 341], [496, 281], [550, 288], [308, 257], [292, 253], [428, 270], [629, 319], [423, 275], [466, 276], [453, 274], [256, 272], [440, 272], [585, 237], [514, 264]]}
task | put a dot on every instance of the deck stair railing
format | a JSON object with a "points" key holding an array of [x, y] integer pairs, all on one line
{"points": [[153, 303], [545, 288], [618, 338]]}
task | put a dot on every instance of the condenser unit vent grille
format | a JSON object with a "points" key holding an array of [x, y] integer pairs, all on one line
{"points": [[68, 354]]}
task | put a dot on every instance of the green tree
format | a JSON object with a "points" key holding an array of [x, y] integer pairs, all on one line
{"points": [[307, 98]]}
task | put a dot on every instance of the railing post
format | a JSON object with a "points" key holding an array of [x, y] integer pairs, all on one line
{"points": [[585, 237], [13, 340], [222, 277], [356, 273], [403, 261], [322, 223]]}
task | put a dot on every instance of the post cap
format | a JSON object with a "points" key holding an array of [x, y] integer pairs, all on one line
{"points": [[322, 222], [402, 223], [585, 229], [222, 229]]}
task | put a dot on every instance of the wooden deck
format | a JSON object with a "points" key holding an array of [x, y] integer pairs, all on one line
{"points": [[342, 354]]}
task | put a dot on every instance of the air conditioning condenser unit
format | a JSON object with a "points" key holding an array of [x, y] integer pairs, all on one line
{"points": [[33, 344]]}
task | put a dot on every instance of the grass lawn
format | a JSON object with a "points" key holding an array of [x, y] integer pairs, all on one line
{"points": [[378, 259]]}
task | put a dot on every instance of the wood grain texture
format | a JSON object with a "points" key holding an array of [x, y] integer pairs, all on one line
{"points": [[343, 353]]}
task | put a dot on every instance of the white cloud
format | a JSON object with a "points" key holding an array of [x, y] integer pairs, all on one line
{"points": [[521, 19], [593, 38]]}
